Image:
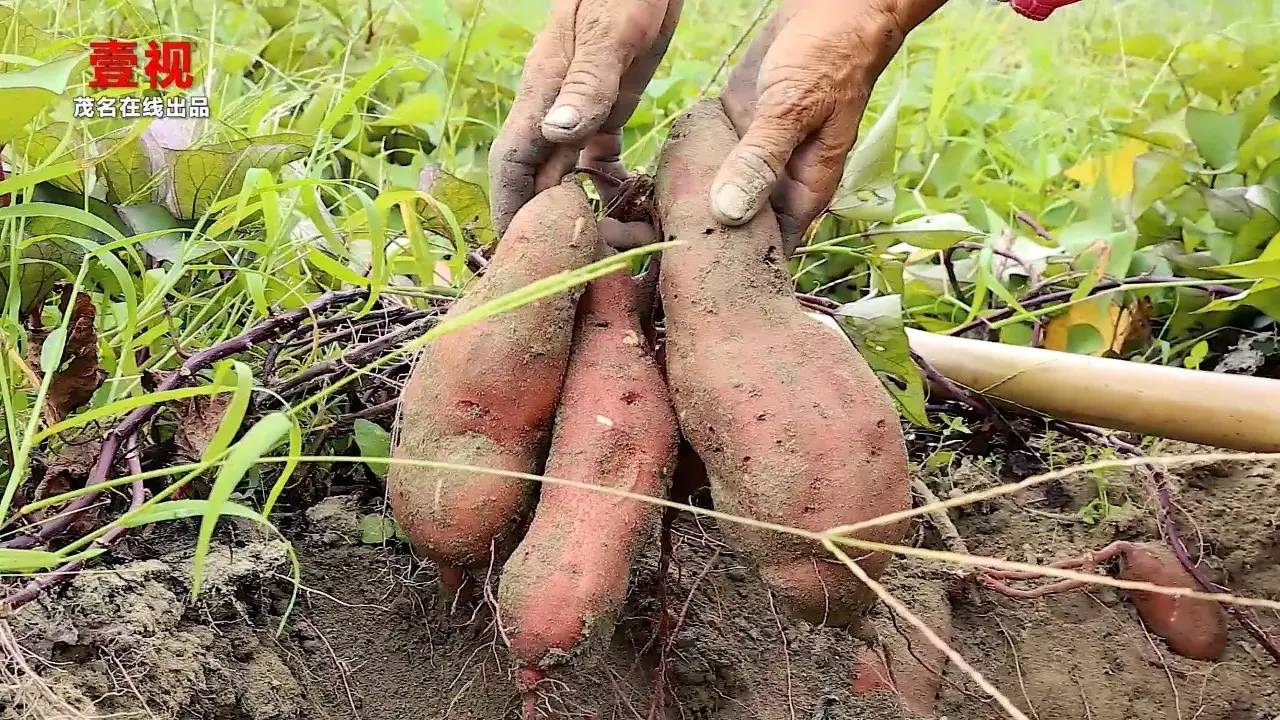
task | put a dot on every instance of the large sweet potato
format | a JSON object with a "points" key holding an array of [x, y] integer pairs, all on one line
{"points": [[566, 581], [792, 424], [486, 394]]}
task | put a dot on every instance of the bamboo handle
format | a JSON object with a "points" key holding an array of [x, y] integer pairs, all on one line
{"points": [[1229, 411]]}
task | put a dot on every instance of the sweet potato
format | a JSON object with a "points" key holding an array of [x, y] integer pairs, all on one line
{"points": [[871, 673], [916, 664], [566, 581], [485, 395], [907, 665], [792, 424], [1193, 628]]}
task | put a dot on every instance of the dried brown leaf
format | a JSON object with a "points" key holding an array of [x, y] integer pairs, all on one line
{"points": [[198, 419], [79, 375]]}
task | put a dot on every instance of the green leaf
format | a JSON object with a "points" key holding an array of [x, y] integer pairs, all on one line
{"points": [[423, 109], [1156, 175], [26, 93], [51, 350], [1262, 269], [52, 144], [1216, 135], [42, 262], [149, 220], [1224, 80], [243, 455], [23, 37], [376, 529], [337, 270], [374, 442], [1264, 295], [1198, 353], [357, 92], [233, 419], [866, 188], [1274, 107], [126, 168], [24, 561], [123, 405], [466, 200], [1084, 339], [935, 232], [203, 176], [187, 508], [875, 327]]}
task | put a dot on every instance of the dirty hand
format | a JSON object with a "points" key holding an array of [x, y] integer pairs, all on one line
{"points": [[581, 82], [796, 99]]}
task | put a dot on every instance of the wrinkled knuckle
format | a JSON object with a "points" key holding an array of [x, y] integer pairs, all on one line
{"points": [[884, 15], [756, 167], [590, 92], [797, 94], [583, 79]]}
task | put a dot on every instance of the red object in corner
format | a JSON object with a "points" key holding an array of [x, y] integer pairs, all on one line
{"points": [[1039, 9]]}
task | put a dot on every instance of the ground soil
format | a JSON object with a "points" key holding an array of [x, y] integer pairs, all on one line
{"points": [[367, 638]]}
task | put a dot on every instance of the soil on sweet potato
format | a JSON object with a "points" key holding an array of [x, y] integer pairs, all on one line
{"points": [[366, 639]]}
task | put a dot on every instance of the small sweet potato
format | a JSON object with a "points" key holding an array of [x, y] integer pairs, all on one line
{"points": [[916, 664], [566, 581], [485, 395], [871, 673], [793, 426], [1193, 628]]}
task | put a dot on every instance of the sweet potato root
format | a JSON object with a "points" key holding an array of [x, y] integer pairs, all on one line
{"points": [[486, 394], [566, 581], [1193, 628], [792, 424]]}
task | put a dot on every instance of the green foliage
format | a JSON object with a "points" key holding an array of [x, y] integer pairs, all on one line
{"points": [[347, 147], [874, 325], [374, 442], [376, 529]]}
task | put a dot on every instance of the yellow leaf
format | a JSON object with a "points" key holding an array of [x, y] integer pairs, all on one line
{"points": [[1111, 326], [1117, 165]]}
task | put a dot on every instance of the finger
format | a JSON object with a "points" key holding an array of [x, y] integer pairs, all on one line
{"points": [[785, 114], [604, 154], [637, 76], [812, 176], [604, 151], [520, 150], [603, 48], [739, 94], [626, 235], [554, 169]]}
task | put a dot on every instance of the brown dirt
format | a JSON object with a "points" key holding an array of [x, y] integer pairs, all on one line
{"points": [[366, 641]]}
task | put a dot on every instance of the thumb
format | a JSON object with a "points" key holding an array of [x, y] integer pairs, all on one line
{"points": [[588, 93], [748, 174]]}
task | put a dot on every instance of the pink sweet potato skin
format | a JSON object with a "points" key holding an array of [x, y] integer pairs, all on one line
{"points": [[485, 395], [568, 578], [793, 426], [1193, 628]]}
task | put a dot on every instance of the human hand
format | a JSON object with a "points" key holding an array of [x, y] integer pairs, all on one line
{"points": [[796, 99], [582, 80]]}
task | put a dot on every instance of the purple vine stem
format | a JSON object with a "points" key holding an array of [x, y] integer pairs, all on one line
{"points": [[132, 423]]}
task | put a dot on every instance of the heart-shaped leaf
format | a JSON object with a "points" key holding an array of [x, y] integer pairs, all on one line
{"points": [[1216, 135], [25, 93]]}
